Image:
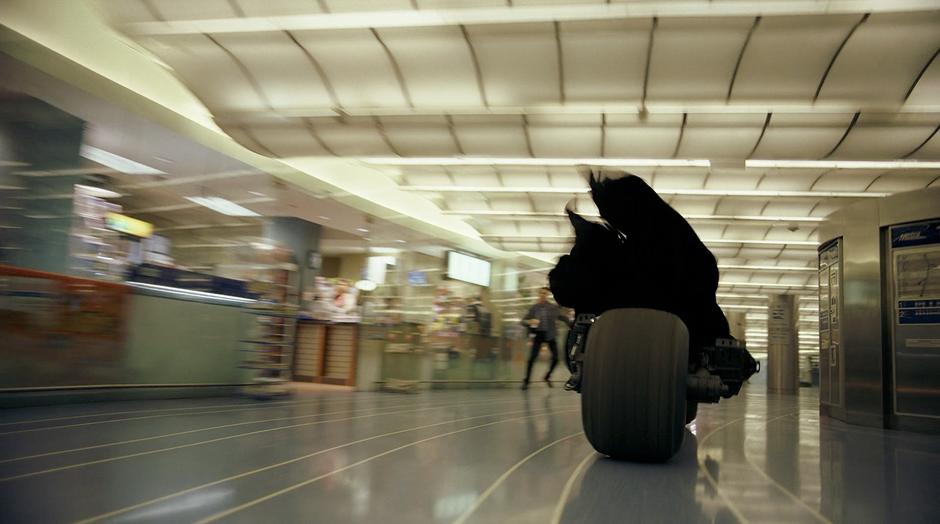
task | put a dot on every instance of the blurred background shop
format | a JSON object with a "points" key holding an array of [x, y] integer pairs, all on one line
{"points": [[137, 262]]}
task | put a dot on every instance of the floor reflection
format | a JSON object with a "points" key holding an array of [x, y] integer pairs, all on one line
{"points": [[615, 491]]}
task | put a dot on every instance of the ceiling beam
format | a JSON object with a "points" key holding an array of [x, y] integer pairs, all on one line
{"points": [[522, 14]]}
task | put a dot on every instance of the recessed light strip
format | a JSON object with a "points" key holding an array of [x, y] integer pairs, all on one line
{"points": [[644, 162], [221, 205], [744, 267], [511, 215], [681, 192], [541, 237], [842, 164], [117, 162], [525, 161]]}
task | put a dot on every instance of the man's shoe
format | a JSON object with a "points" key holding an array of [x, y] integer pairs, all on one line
{"points": [[549, 383], [525, 386]]}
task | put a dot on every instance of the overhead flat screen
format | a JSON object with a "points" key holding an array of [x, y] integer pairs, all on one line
{"points": [[468, 269]]}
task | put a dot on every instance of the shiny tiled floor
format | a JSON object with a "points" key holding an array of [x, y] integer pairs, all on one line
{"points": [[449, 456]]}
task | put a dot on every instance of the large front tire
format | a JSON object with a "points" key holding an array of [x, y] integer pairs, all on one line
{"points": [[633, 403]]}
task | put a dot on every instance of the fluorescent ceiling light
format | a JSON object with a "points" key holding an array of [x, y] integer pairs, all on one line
{"points": [[117, 162], [221, 205], [512, 215], [518, 14], [99, 192], [681, 192], [590, 109], [540, 237], [767, 268], [842, 164], [765, 284], [522, 161]]}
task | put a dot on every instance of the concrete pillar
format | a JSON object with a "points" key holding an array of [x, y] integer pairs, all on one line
{"points": [[301, 237], [782, 345], [737, 321], [37, 217]]}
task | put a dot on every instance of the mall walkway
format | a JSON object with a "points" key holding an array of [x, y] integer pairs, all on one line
{"points": [[449, 456]]}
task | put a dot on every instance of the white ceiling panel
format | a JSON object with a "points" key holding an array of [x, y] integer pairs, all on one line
{"points": [[437, 65], [284, 74], [927, 90], [896, 183], [354, 140], [456, 4], [828, 206], [550, 203], [503, 140], [788, 182], [881, 60], [740, 206], [735, 232], [286, 141], [839, 181], [428, 179], [519, 63], [578, 142], [278, 7], [514, 203], [930, 150], [604, 61], [208, 71], [565, 177], [787, 56], [514, 177], [789, 208], [693, 204], [344, 6], [800, 252], [704, 230], [801, 136], [477, 179], [718, 142], [641, 142], [125, 11], [758, 252], [418, 140], [357, 66], [882, 143], [742, 180], [693, 59], [679, 180], [189, 10], [544, 2], [724, 252]]}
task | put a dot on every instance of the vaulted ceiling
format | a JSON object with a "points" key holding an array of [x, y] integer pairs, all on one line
{"points": [[486, 107]]}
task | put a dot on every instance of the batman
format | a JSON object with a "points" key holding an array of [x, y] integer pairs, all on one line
{"points": [[643, 254]]}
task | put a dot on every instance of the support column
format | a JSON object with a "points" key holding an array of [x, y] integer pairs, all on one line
{"points": [[302, 238], [782, 345], [737, 321]]}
